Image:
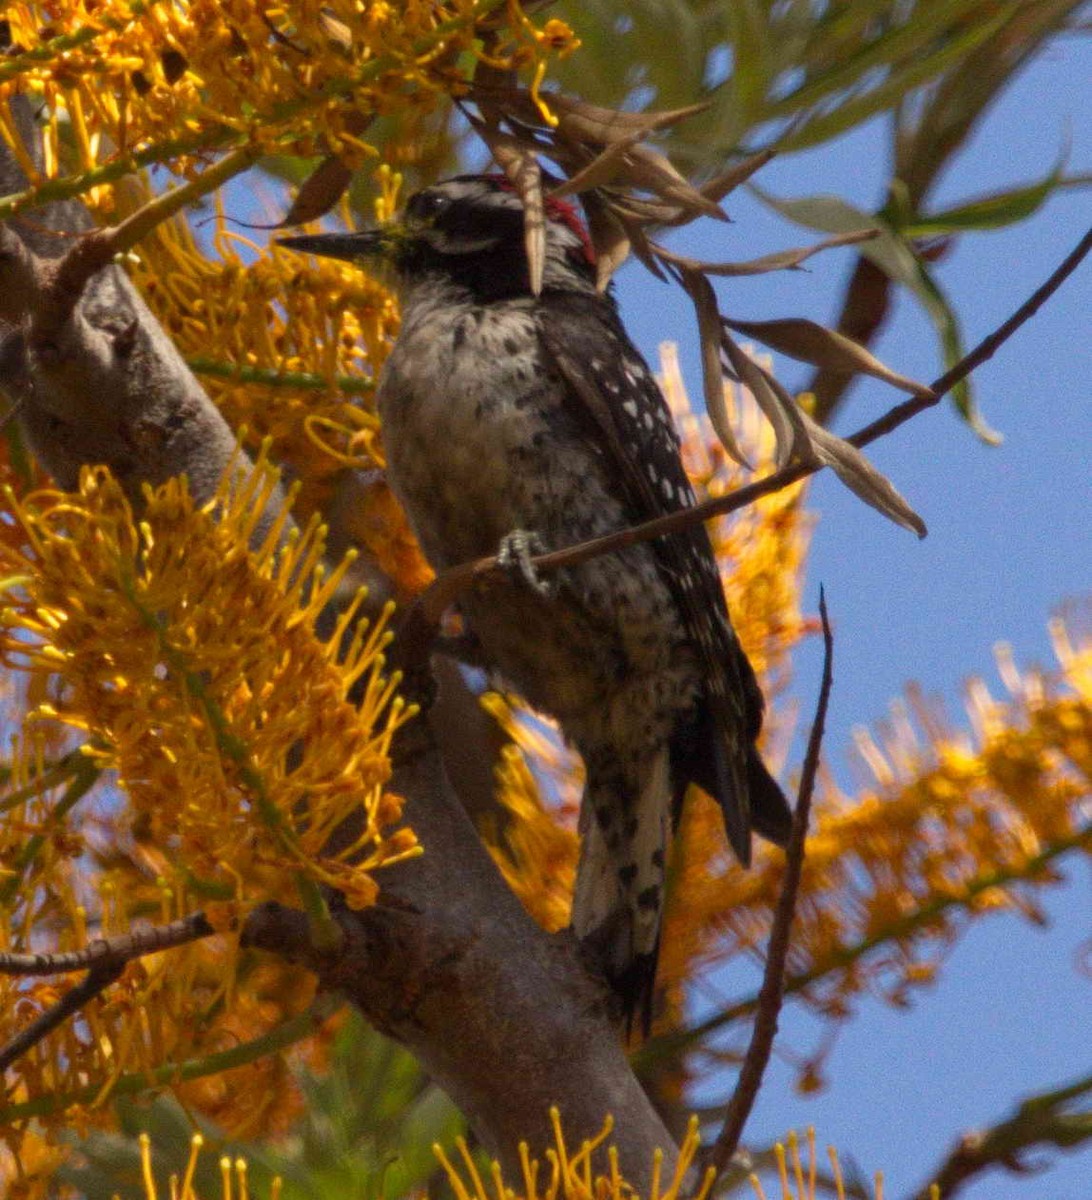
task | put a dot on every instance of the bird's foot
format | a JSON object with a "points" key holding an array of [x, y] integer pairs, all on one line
{"points": [[514, 556]]}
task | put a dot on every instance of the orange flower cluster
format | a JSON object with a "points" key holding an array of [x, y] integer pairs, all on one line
{"points": [[954, 824], [146, 81], [571, 1174], [537, 848], [234, 740]]}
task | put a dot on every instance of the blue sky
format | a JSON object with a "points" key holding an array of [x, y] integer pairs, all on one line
{"points": [[1010, 539]]}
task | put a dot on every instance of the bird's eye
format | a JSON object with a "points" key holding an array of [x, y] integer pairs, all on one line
{"points": [[426, 205]]}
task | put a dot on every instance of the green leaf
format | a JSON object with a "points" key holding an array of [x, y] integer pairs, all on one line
{"points": [[919, 47], [893, 254], [827, 214], [807, 341], [831, 214], [750, 80], [990, 212], [900, 80], [936, 304]]}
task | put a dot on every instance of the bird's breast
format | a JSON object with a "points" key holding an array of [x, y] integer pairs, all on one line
{"points": [[467, 413]]}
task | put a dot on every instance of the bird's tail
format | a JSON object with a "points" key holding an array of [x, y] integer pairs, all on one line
{"points": [[771, 816], [619, 896], [731, 770]]}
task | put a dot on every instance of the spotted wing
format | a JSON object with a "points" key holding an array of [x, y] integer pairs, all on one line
{"points": [[616, 395]]}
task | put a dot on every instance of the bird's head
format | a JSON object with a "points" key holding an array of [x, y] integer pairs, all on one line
{"points": [[470, 230]]}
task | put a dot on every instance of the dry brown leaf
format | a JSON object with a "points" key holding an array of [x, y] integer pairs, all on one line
{"points": [[578, 119], [727, 181], [778, 407], [526, 177], [712, 376], [591, 123], [520, 165], [721, 185], [648, 212], [319, 192], [812, 343], [781, 261], [639, 243], [647, 168], [609, 239], [811, 442], [862, 478], [601, 171]]}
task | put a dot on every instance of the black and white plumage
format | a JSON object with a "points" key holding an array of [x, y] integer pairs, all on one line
{"points": [[503, 411]]}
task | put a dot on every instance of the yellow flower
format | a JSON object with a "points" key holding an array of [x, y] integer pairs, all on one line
{"points": [[171, 82], [559, 37], [190, 664], [572, 1175]]}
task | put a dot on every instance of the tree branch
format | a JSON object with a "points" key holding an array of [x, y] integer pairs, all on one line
{"points": [[773, 980], [502, 1015], [673, 1044], [112, 951], [443, 592], [93, 984], [105, 959], [96, 378], [1039, 1121]]}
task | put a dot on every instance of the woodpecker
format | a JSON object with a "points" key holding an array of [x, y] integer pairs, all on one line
{"points": [[531, 422]]}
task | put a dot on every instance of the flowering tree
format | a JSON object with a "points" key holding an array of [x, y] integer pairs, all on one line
{"points": [[239, 795]]}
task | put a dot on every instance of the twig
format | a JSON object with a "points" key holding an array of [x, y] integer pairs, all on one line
{"points": [[99, 247], [1038, 1121], [984, 351], [442, 593], [115, 951], [292, 1031], [106, 959], [97, 980], [773, 979], [904, 927], [348, 385]]}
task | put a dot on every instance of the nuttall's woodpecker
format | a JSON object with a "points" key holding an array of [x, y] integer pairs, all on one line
{"points": [[516, 420]]}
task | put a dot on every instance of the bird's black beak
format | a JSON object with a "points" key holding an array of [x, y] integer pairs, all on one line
{"points": [[349, 247]]}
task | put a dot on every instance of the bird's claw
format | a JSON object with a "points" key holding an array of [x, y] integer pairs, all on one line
{"points": [[514, 556]]}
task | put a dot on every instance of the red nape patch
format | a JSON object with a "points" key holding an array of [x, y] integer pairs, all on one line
{"points": [[562, 211], [566, 213]]}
